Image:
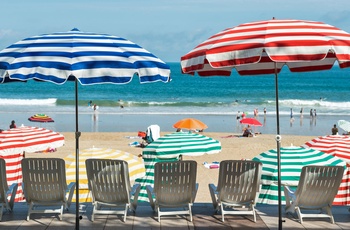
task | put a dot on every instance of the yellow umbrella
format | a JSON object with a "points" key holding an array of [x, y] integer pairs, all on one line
{"points": [[136, 167]]}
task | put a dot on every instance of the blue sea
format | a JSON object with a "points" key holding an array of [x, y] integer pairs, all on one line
{"points": [[214, 100]]}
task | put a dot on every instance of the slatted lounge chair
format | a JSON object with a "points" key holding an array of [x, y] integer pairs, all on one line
{"points": [[7, 194], [174, 187], [238, 188], [110, 187], [318, 185], [45, 187]]}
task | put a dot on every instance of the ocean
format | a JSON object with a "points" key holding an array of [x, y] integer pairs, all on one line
{"points": [[214, 100]]}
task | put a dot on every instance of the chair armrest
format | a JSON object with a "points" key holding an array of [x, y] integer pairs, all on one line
{"points": [[135, 190], [290, 197], [12, 190], [213, 194], [150, 194], [70, 191]]}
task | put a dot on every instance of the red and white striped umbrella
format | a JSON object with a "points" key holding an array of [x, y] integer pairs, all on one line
{"points": [[13, 144], [339, 146], [260, 47], [29, 139], [264, 47]]}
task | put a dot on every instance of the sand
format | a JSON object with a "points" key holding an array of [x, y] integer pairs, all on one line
{"points": [[232, 148]]}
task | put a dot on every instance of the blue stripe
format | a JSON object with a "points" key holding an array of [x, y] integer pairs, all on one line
{"points": [[74, 44]]}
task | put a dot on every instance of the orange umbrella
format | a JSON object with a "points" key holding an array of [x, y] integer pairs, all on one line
{"points": [[190, 123]]}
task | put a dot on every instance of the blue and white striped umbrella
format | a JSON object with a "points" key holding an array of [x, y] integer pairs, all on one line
{"points": [[292, 160], [89, 58], [168, 148]]}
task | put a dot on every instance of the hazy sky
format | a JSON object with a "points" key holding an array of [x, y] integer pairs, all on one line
{"points": [[167, 28]]}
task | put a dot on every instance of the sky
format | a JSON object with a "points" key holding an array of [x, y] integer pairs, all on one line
{"points": [[167, 28]]}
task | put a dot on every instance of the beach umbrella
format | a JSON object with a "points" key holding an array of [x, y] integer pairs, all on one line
{"points": [[16, 141], [190, 124], [169, 148], [264, 47], [339, 146], [250, 121], [40, 118], [292, 160], [345, 125], [135, 164], [89, 58]]}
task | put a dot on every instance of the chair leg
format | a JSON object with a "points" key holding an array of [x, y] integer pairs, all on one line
{"points": [[30, 208], [300, 216], [190, 211], [125, 212], [1, 211]]}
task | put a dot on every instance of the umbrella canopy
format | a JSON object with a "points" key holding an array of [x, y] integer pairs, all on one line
{"points": [[292, 160], [250, 121], [264, 47], [135, 164], [190, 124], [89, 58], [29, 139], [40, 118], [339, 146], [345, 125], [14, 142], [169, 147]]}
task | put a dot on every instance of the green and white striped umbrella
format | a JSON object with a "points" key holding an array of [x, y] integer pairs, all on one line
{"points": [[169, 148], [292, 160]]}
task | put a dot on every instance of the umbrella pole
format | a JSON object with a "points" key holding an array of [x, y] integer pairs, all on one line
{"points": [[278, 140], [77, 135]]}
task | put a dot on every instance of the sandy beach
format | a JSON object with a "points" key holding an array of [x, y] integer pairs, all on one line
{"points": [[232, 148]]}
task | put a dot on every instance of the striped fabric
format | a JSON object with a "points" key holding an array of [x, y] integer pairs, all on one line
{"points": [[15, 142], [14, 172], [292, 160], [92, 58], [169, 148], [339, 146], [135, 164], [254, 48], [29, 139]]}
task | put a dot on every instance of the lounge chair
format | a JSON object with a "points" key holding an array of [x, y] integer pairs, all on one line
{"points": [[45, 186], [110, 187], [7, 194], [174, 187], [238, 188], [318, 185]]}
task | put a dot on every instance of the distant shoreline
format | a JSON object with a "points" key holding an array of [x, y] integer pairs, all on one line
{"points": [[97, 122]]}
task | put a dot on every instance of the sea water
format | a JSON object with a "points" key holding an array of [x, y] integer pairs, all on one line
{"points": [[215, 100]]}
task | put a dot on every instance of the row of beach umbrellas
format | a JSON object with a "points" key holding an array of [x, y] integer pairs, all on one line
{"points": [[254, 48]]}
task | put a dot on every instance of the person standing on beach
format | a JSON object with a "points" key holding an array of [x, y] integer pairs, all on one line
{"points": [[238, 116], [311, 113], [315, 114], [334, 130]]}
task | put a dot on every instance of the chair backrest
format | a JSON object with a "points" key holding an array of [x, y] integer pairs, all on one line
{"points": [[175, 182], [108, 180], [3, 181], [239, 181], [44, 179], [318, 185]]}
